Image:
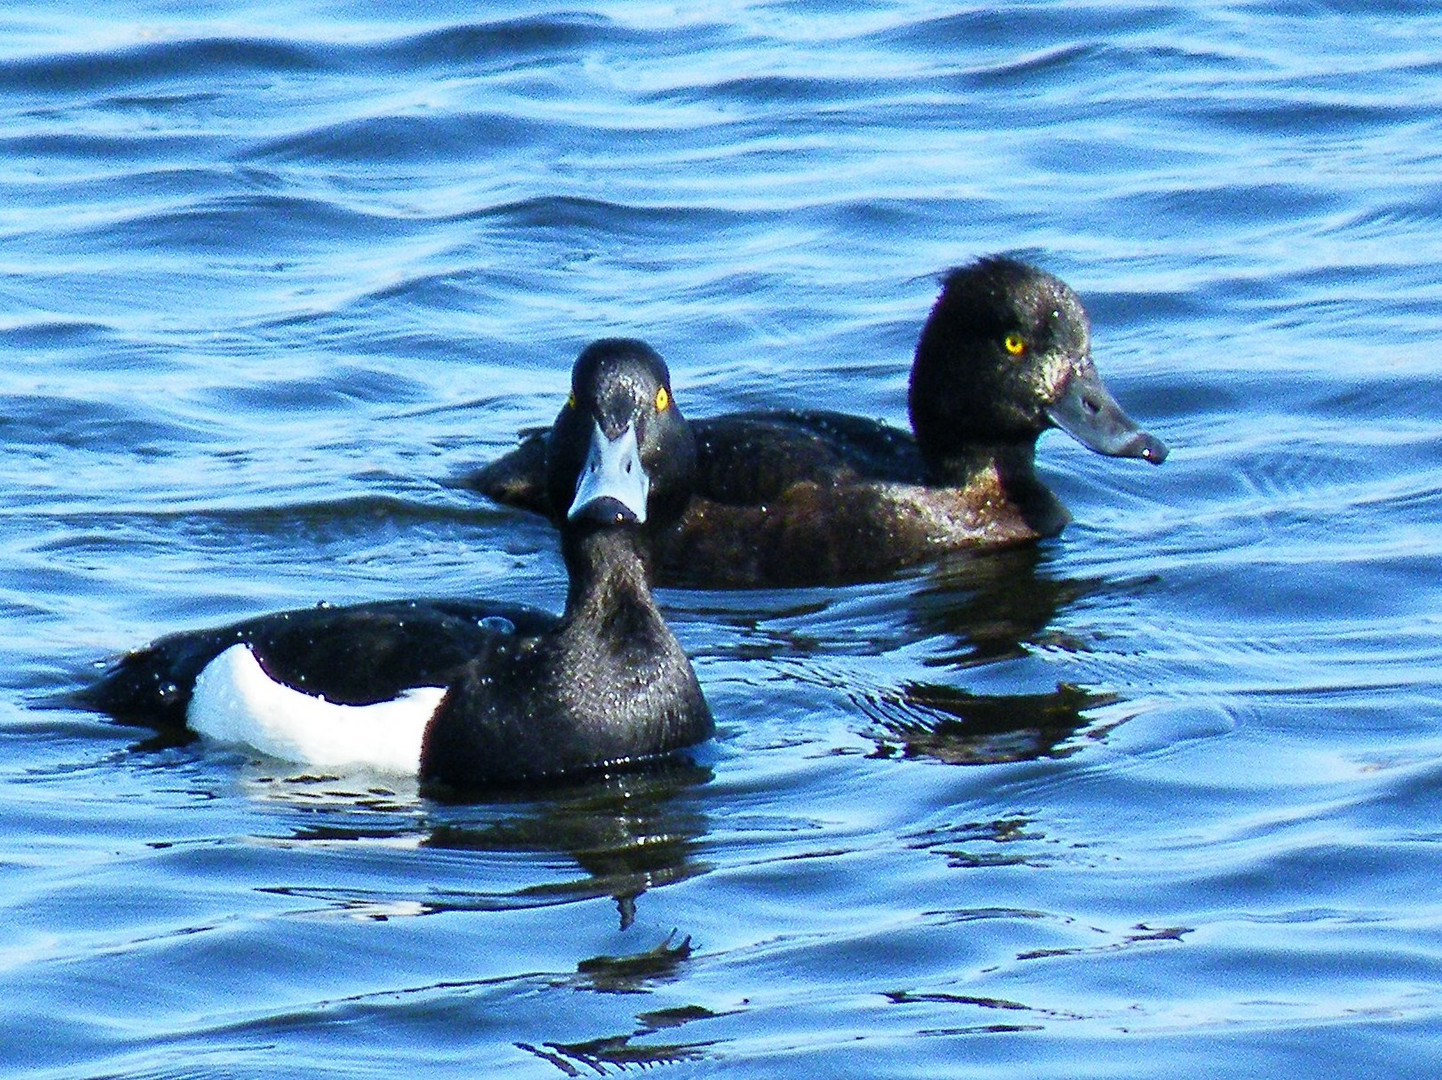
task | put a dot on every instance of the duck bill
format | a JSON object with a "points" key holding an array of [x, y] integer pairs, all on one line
{"points": [[1089, 414], [613, 486]]}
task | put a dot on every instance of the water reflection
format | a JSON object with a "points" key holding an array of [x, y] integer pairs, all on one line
{"points": [[621, 1051], [991, 607], [629, 832], [961, 728], [618, 1052], [981, 611], [633, 972], [976, 611], [967, 612], [972, 844]]}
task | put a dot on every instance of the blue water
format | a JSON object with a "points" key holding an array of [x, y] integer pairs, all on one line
{"points": [[1158, 798]]}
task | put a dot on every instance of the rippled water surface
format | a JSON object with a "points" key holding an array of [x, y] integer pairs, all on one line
{"points": [[1157, 798]]}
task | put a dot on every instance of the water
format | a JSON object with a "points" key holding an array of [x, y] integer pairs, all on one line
{"points": [[1157, 798]]}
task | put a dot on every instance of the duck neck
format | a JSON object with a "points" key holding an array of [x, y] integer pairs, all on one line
{"points": [[959, 440], [1004, 472], [965, 463], [639, 682], [610, 576]]}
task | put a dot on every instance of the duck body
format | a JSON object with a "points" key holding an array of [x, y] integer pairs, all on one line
{"points": [[471, 694], [807, 497], [608, 685], [814, 497]]}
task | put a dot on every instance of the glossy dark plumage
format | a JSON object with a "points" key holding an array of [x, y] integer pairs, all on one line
{"points": [[810, 497], [529, 696]]}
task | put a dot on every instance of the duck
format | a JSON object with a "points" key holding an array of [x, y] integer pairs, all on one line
{"points": [[803, 497], [469, 694]]}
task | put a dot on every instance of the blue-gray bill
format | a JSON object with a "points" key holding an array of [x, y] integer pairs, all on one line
{"points": [[613, 485], [1089, 414]]}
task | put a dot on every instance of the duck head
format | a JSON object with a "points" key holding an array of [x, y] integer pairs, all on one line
{"points": [[1005, 355], [620, 452]]}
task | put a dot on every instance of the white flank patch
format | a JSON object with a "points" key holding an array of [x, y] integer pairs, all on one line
{"points": [[235, 701]]}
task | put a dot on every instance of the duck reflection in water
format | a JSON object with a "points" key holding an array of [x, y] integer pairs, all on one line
{"points": [[961, 728], [629, 832], [969, 613], [987, 610]]}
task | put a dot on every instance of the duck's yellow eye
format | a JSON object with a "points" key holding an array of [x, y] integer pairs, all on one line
{"points": [[571, 400], [1015, 344], [663, 399]]}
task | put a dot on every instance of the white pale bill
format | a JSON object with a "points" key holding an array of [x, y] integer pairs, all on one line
{"points": [[613, 469], [235, 701]]}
